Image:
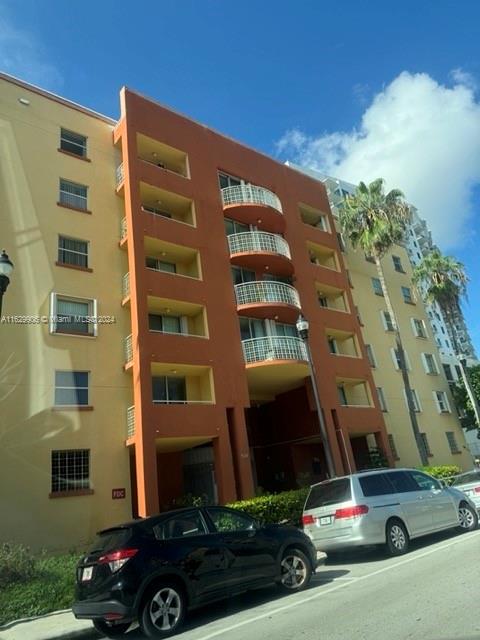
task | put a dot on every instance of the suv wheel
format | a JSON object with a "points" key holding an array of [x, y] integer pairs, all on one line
{"points": [[163, 611], [467, 518], [295, 570], [111, 629], [397, 538]]}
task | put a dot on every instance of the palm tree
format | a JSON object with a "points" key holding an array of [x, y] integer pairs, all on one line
{"points": [[375, 221], [444, 281]]}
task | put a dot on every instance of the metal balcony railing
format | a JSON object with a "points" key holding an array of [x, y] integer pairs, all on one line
{"points": [[250, 194], [126, 285], [130, 422], [119, 175], [274, 348], [128, 349], [123, 228], [258, 241], [266, 291]]}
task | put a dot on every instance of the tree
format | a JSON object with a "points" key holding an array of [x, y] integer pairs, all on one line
{"points": [[444, 281], [375, 221]]}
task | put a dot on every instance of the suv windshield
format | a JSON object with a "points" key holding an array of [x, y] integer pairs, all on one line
{"points": [[331, 492]]}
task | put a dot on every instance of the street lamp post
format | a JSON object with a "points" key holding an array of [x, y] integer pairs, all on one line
{"points": [[302, 329], [6, 268]]}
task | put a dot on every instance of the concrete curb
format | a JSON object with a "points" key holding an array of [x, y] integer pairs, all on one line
{"points": [[58, 625]]}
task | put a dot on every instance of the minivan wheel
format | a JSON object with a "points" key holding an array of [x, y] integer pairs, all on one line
{"points": [[467, 518], [295, 570], [111, 629], [163, 611], [397, 538]]}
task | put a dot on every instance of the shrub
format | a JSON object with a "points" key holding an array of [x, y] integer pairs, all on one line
{"points": [[276, 507], [16, 564], [443, 472]]}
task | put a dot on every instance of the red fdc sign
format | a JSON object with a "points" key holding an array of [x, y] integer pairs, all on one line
{"points": [[118, 494]]}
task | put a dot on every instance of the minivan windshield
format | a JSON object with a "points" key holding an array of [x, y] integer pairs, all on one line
{"points": [[330, 492]]}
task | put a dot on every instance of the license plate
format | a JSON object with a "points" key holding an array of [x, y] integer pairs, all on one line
{"points": [[325, 520], [87, 574]]}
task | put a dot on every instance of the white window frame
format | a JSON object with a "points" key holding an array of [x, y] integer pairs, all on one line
{"points": [[416, 400], [395, 361], [63, 130], [86, 254], [371, 356], [377, 291], [413, 322], [412, 297], [93, 304], [455, 448], [384, 321], [444, 401], [81, 203], [381, 400], [428, 371]]}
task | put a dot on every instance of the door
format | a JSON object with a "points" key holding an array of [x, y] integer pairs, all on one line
{"points": [[414, 503], [444, 512], [249, 555]]}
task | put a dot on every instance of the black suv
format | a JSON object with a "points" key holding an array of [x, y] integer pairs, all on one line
{"points": [[153, 570]]}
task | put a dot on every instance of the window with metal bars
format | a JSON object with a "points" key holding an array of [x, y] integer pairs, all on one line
{"points": [[425, 444], [452, 442], [73, 252], [73, 194], [73, 143], [70, 470]]}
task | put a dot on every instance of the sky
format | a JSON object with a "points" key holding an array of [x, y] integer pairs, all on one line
{"points": [[356, 90]]}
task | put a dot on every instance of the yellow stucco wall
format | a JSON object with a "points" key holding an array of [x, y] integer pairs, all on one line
{"points": [[30, 168]]}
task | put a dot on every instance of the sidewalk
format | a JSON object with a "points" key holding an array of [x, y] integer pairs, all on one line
{"points": [[53, 626]]}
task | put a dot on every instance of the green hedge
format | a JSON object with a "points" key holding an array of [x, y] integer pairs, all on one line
{"points": [[443, 472], [276, 507]]}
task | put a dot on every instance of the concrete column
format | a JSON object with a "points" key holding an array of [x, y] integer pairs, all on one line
{"points": [[147, 476], [381, 441], [224, 473], [241, 453]]}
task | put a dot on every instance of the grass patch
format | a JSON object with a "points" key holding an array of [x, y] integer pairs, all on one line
{"points": [[48, 586]]}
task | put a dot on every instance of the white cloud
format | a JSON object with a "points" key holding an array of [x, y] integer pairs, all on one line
{"points": [[422, 137], [23, 56]]}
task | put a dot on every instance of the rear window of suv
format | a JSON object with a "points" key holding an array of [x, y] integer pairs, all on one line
{"points": [[111, 539], [465, 478], [332, 492]]}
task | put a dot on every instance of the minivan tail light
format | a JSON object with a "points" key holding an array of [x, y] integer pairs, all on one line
{"points": [[477, 489], [308, 519], [351, 512], [116, 559]]}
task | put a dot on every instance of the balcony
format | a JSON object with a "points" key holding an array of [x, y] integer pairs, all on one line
{"points": [[166, 205], [126, 287], [272, 348], [250, 204], [130, 422], [323, 256], [255, 249], [119, 176], [266, 299], [123, 229], [128, 349], [162, 156]]}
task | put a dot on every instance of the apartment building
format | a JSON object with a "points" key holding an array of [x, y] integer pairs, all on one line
{"points": [[442, 435]]}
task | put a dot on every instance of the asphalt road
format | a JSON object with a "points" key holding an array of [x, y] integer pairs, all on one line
{"points": [[432, 593]]}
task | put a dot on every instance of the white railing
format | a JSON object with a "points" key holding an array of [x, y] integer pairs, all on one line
{"points": [[73, 196], [123, 228], [119, 175], [128, 349], [182, 401], [274, 348], [250, 194], [130, 422], [126, 285], [258, 241], [266, 291]]}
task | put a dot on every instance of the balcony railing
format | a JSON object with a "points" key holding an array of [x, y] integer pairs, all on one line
{"points": [[267, 292], [119, 175], [130, 422], [258, 241], [250, 194], [126, 285], [123, 228], [274, 348], [128, 349]]}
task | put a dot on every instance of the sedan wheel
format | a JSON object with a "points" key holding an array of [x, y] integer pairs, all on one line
{"points": [[295, 571], [397, 538], [163, 612], [467, 518]]}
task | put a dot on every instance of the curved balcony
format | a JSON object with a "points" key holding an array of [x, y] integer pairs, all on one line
{"points": [[274, 348], [267, 299], [254, 205], [257, 249]]}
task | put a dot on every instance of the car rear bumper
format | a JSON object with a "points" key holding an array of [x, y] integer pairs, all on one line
{"points": [[89, 609]]}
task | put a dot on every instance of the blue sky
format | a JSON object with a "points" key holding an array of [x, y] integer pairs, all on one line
{"points": [[360, 89]]}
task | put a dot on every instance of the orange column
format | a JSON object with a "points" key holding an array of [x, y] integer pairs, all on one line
{"points": [[224, 473], [241, 454]]}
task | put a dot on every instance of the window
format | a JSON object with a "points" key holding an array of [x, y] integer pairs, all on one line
{"points": [[424, 482], [240, 275], [397, 264], [160, 265], [73, 252], [225, 180], [226, 520], [429, 364], [342, 396], [169, 389], [407, 295], [466, 478], [181, 526], [74, 316], [73, 194], [402, 482], [448, 372], [381, 399], [70, 470], [387, 321], [71, 388], [452, 442], [371, 355], [332, 345], [441, 401], [232, 226], [396, 359], [419, 329], [415, 401], [393, 447], [377, 287], [426, 446], [73, 143], [165, 324], [323, 301], [252, 328], [282, 329], [328, 493], [375, 485]]}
